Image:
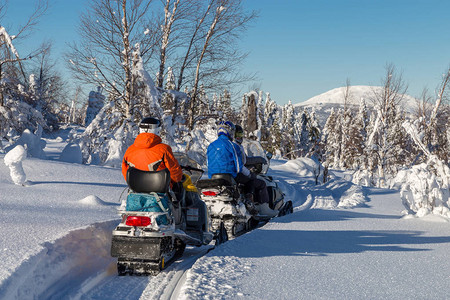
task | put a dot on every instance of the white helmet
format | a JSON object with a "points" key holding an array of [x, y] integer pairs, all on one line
{"points": [[150, 125]]}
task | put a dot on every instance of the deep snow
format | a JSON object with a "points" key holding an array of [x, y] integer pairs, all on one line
{"points": [[342, 242]]}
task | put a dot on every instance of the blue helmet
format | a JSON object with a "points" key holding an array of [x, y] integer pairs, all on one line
{"points": [[226, 128]]}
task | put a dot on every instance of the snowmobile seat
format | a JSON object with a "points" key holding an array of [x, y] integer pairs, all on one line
{"points": [[224, 178], [255, 163], [253, 160], [221, 179], [148, 181]]}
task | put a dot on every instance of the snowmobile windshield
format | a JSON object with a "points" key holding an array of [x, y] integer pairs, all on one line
{"points": [[254, 148], [186, 161]]}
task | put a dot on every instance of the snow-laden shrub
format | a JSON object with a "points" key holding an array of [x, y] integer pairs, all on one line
{"points": [[32, 142], [71, 154], [306, 167], [198, 141], [277, 154], [427, 186], [16, 116], [115, 154], [95, 104], [106, 138], [13, 160], [363, 177], [423, 192]]}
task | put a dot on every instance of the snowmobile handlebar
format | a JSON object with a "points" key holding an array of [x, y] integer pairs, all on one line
{"points": [[190, 169]]}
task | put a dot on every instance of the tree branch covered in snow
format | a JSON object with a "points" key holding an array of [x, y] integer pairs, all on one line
{"points": [[428, 183]]}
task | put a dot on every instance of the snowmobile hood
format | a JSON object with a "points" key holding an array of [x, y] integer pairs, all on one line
{"points": [[147, 140]]}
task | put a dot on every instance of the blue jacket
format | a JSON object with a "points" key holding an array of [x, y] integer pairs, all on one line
{"points": [[224, 156]]}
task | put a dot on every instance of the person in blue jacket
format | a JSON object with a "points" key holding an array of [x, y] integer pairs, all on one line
{"points": [[225, 157]]}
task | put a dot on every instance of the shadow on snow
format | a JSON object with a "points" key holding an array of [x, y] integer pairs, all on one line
{"points": [[267, 242], [264, 243], [81, 183]]}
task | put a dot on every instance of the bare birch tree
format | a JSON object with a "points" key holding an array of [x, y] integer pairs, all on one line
{"points": [[347, 94], [10, 61], [109, 31], [211, 55], [387, 101], [195, 38], [435, 120]]}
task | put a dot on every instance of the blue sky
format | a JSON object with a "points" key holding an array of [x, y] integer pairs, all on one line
{"points": [[300, 49], [304, 48]]}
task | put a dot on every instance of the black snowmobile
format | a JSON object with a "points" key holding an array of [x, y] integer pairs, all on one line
{"points": [[157, 224], [256, 164]]}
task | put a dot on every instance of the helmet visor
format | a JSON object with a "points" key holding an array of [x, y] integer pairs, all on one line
{"points": [[148, 126]]}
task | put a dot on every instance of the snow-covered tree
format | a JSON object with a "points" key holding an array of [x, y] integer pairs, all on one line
{"points": [[225, 106], [252, 122], [211, 52], [355, 150], [275, 135], [107, 137], [427, 183], [243, 113], [303, 144], [314, 133], [268, 120], [110, 31], [289, 132], [347, 139], [168, 99], [260, 115], [16, 107], [327, 136], [333, 139], [435, 126], [381, 142], [95, 103]]}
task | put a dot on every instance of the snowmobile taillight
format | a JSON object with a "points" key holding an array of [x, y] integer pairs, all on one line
{"points": [[138, 221], [209, 193]]}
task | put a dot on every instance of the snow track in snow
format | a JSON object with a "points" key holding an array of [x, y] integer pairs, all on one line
{"points": [[63, 266], [79, 266], [167, 284]]}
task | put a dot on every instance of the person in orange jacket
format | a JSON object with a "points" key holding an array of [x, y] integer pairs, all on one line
{"points": [[148, 153]]}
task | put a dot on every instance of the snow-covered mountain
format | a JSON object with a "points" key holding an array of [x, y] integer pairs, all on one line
{"points": [[356, 93], [335, 98]]}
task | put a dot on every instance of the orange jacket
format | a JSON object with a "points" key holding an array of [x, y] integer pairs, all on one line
{"points": [[148, 153]]}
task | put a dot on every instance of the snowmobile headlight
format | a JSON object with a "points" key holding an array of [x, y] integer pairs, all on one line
{"points": [[141, 221]]}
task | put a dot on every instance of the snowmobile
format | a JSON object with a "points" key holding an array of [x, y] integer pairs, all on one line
{"points": [[158, 223], [256, 164], [226, 200]]}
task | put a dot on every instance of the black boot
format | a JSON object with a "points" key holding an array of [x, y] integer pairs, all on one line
{"points": [[249, 204]]}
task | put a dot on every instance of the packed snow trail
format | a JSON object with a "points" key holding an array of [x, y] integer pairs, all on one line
{"points": [[163, 286], [369, 252]]}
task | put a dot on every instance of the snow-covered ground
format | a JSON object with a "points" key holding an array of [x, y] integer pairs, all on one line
{"points": [[342, 242]]}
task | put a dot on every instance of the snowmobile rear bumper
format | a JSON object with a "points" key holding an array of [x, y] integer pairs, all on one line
{"points": [[139, 267], [148, 248]]}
